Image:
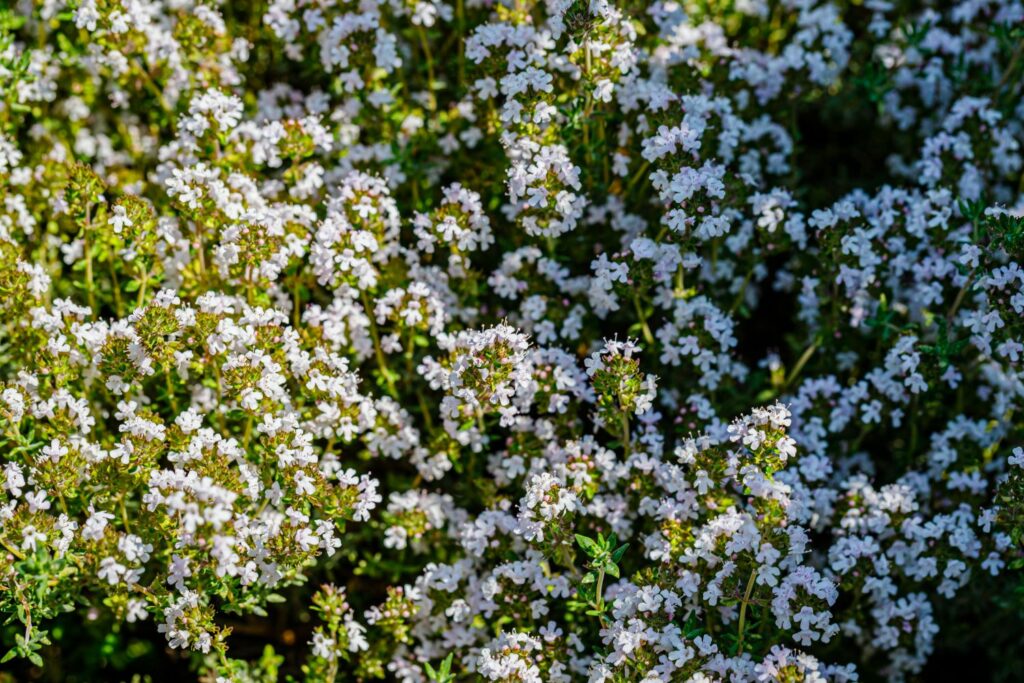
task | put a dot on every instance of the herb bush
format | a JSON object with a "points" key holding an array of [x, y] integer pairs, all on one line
{"points": [[511, 341]]}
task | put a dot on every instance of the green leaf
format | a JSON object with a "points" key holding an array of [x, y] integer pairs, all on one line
{"points": [[589, 545], [619, 552]]}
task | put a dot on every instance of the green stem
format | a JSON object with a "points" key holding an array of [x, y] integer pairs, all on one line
{"points": [[12, 550], [738, 301], [960, 297], [743, 609], [801, 362], [625, 433], [680, 282], [247, 435], [426, 412], [382, 362], [223, 661], [220, 396], [637, 177], [460, 20], [1011, 67], [60, 501], [88, 262], [170, 390], [648, 336], [152, 87], [142, 287], [124, 515], [428, 56], [296, 304], [116, 286]]}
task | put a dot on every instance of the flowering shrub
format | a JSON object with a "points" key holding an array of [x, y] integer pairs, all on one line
{"points": [[509, 341]]}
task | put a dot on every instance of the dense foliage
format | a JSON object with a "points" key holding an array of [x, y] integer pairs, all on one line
{"points": [[510, 340]]}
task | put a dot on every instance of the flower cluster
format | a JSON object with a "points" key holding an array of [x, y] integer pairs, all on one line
{"points": [[520, 341]]}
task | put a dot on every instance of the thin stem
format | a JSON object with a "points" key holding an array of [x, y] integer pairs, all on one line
{"points": [[960, 296], [426, 411], [201, 253], [913, 430], [220, 396], [625, 433], [648, 336], [296, 304], [170, 390], [152, 87], [743, 609], [680, 282], [247, 435], [740, 295], [382, 362], [28, 612], [124, 515], [88, 260], [460, 20], [12, 550], [223, 661], [116, 286], [1011, 67], [425, 44], [598, 597], [801, 362], [332, 669], [637, 177], [142, 287]]}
